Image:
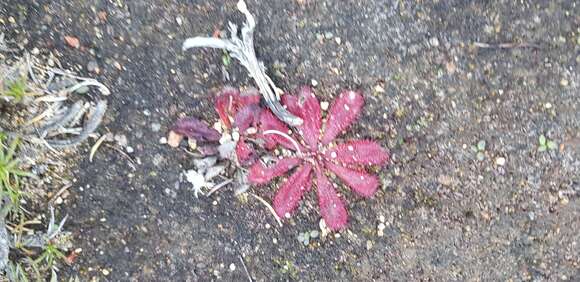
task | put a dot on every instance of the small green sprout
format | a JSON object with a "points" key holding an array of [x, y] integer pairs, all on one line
{"points": [[479, 150], [226, 59], [287, 267], [10, 174], [306, 237], [50, 255], [16, 272], [16, 89], [546, 144]]}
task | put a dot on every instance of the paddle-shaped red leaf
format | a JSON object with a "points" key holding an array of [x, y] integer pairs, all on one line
{"points": [[343, 112], [195, 129], [262, 174], [247, 116], [306, 106], [331, 206], [359, 152], [289, 195], [361, 182], [245, 152]]}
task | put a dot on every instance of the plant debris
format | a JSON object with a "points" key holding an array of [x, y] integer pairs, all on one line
{"points": [[243, 50]]}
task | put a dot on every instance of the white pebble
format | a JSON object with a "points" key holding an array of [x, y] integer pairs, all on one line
{"points": [[235, 136], [324, 105], [434, 41], [500, 161], [130, 149], [162, 140], [232, 267], [314, 83]]}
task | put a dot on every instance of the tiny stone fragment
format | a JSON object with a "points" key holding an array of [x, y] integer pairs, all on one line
{"points": [[500, 161], [173, 139]]}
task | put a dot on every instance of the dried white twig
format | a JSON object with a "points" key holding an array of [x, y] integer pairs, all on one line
{"points": [[90, 127], [219, 186], [271, 131], [246, 269], [270, 208], [243, 50]]}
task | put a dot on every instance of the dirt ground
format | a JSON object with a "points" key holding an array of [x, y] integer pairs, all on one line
{"points": [[436, 83]]}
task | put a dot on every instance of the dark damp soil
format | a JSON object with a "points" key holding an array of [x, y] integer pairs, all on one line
{"points": [[433, 90]]}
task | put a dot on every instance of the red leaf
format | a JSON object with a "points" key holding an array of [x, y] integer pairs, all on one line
{"points": [[195, 129], [229, 102], [245, 153], [306, 106], [360, 152], [331, 206], [361, 182], [289, 195], [224, 103], [247, 116], [270, 122], [248, 97], [343, 112], [261, 174]]}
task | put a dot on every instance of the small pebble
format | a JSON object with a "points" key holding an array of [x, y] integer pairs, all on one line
{"points": [[548, 105], [314, 83], [314, 234], [235, 136], [93, 67], [500, 161], [179, 21], [173, 139], [324, 105], [251, 130], [130, 149], [105, 272], [564, 82], [155, 127], [117, 65], [232, 267], [434, 41], [192, 143], [121, 140], [218, 126], [338, 40], [72, 41]]}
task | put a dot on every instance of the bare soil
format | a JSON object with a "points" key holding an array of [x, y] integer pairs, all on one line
{"points": [[433, 90]]}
